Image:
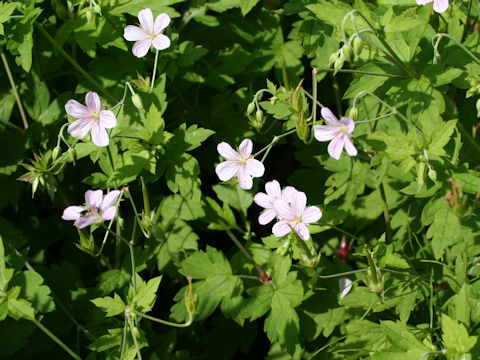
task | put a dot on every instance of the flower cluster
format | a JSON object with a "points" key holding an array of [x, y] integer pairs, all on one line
{"points": [[289, 206], [97, 209]]}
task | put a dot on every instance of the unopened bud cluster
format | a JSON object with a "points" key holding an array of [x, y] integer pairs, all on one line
{"points": [[350, 52]]}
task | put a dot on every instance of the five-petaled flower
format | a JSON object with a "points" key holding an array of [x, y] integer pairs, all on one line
{"points": [[97, 209], [439, 6], [148, 34], [240, 163], [90, 118], [339, 132], [273, 194], [295, 215]]}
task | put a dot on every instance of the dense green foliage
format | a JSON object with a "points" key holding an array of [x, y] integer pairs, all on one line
{"points": [[400, 218]]}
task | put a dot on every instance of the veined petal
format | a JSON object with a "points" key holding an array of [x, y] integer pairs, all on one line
{"points": [[134, 33], [349, 147], [288, 193], [245, 148], [349, 123], [281, 228], [85, 221], [302, 230], [299, 201], [161, 22], [336, 146], [325, 132], [254, 168], [423, 2], [244, 178], [227, 151], [145, 17], [283, 210], [108, 119], [273, 190], [78, 129], [110, 199], [99, 135], [93, 198], [141, 48], [344, 286], [440, 6], [161, 42], [329, 117], [263, 200], [72, 212], [227, 170], [109, 213], [266, 216], [76, 110], [92, 100], [311, 214]]}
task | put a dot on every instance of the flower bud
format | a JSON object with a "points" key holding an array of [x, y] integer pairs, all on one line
{"points": [[347, 52], [137, 101], [191, 298], [338, 64], [97, 9], [89, 16], [86, 245], [357, 44], [72, 155], [333, 58], [142, 84], [250, 108], [56, 152], [297, 101], [432, 174], [353, 114], [302, 127], [478, 108], [259, 116]]}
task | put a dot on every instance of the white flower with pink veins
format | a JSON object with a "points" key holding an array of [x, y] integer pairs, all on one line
{"points": [[91, 118], [239, 163], [439, 6], [148, 34]]}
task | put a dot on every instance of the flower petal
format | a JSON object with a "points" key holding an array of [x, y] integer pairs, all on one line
{"points": [[85, 221], [109, 213], [161, 42], [134, 33], [108, 119], [93, 198], [254, 168], [329, 117], [80, 128], [349, 123], [245, 148], [161, 22], [227, 170], [244, 178], [76, 110], [299, 201], [72, 212], [284, 210], [263, 200], [344, 286], [281, 228], [423, 2], [227, 151], [311, 214], [92, 100], [336, 146], [145, 17], [288, 193], [141, 48], [349, 147], [110, 199], [273, 190], [266, 216], [325, 132], [302, 230], [99, 135], [440, 6]]}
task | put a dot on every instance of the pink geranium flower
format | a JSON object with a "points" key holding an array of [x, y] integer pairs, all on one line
{"points": [[90, 118], [295, 215], [339, 132], [439, 6], [97, 209], [273, 194], [148, 34], [239, 163]]}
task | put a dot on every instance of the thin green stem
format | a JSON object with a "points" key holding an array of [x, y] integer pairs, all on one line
{"points": [[341, 230], [364, 73], [442, 35], [311, 97], [56, 339], [14, 90], [375, 118], [118, 236], [314, 97], [134, 337], [338, 97], [386, 214], [342, 274], [154, 71], [164, 322], [467, 136], [74, 63]]}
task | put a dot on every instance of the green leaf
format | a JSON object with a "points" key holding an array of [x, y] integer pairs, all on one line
{"points": [[111, 306], [455, 337], [182, 175], [5, 11], [440, 137], [247, 5], [399, 336], [20, 309], [234, 196], [3, 279], [461, 302], [34, 290], [145, 295], [444, 230]]}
